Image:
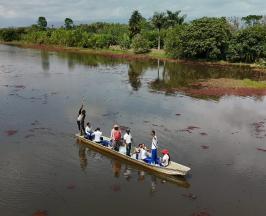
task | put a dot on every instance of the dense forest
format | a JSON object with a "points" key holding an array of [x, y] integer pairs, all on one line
{"points": [[232, 39]]}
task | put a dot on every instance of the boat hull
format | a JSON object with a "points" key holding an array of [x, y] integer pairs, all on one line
{"points": [[174, 169]]}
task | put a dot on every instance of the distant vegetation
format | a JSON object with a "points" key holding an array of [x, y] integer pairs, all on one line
{"points": [[232, 39]]}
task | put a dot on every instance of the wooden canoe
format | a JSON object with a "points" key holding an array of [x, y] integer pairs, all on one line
{"points": [[173, 169]]}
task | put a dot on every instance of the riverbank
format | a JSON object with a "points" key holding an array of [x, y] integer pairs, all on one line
{"points": [[115, 52]]}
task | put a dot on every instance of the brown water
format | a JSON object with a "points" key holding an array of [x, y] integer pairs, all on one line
{"points": [[44, 171]]}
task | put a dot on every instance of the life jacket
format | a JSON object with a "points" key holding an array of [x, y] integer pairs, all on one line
{"points": [[117, 135]]}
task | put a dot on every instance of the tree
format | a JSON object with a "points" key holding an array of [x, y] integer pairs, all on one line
{"points": [[68, 23], [159, 21], [206, 38], [174, 18], [235, 22], [135, 23], [140, 44], [42, 23], [252, 20], [172, 41], [248, 45]]}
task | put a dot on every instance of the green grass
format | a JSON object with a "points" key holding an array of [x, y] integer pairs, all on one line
{"points": [[247, 83]]}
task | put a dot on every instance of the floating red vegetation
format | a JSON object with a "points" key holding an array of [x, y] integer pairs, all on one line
{"points": [[71, 186], [259, 129], [202, 213], [261, 149], [116, 188], [192, 127], [203, 134], [212, 91], [10, 132], [28, 136], [205, 147], [20, 86], [189, 129], [40, 213]]}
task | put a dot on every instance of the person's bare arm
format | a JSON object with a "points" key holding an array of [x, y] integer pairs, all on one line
{"points": [[80, 109]]}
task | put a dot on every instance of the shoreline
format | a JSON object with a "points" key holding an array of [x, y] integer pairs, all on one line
{"points": [[129, 55]]}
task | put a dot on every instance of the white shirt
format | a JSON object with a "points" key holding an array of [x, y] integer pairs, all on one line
{"points": [[154, 143], [79, 117], [97, 136], [142, 154], [128, 138], [87, 130], [165, 160]]}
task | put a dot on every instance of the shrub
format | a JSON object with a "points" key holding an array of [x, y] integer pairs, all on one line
{"points": [[172, 43], [206, 38], [248, 45], [124, 42], [140, 44]]}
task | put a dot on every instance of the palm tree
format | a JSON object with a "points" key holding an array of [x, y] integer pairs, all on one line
{"points": [[159, 21], [174, 18], [135, 23]]}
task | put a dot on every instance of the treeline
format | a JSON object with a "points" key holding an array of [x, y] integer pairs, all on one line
{"points": [[232, 39]]}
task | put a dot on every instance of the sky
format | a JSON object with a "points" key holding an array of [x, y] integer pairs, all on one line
{"points": [[26, 12]]}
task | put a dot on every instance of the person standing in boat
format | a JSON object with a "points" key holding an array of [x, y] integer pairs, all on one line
{"points": [[128, 141], [154, 147], [116, 136], [81, 120]]}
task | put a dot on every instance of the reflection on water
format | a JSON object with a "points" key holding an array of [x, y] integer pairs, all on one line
{"points": [[82, 157], [171, 77], [45, 60], [126, 171]]}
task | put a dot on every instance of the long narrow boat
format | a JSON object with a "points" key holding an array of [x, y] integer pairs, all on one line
{"points": [[173, 169]]}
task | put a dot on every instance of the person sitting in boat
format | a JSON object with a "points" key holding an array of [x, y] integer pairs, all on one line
{"points": [[105, 143], [128, 140], [143, 153], [116, 136], [88, 132], [165, 160], [81, 120], [97, 135], [135, 154]]}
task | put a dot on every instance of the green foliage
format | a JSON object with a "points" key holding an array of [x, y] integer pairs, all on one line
{"points": [[69, 24], [100, 41], [252, 20], [248, 45], [114, 31], [11, 34], [205, 38], [140, 44], [36, 37], [124, 42], [135, 23], [159, 20], [173, 18], [173, 42], [42, 23]]}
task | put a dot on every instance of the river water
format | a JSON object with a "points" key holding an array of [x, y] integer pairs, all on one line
{"points": [[44, 171]]}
